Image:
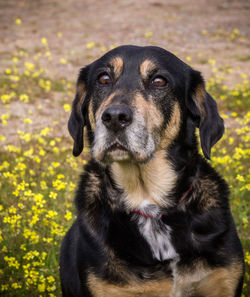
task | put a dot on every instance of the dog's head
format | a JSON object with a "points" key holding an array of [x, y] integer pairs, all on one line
{"points": [[137, 100]]}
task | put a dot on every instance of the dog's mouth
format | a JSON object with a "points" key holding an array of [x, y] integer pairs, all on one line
{"points": [[134, 143], [117, 152], [116, 146]]}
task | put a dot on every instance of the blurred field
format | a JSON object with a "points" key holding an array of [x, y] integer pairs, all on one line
{"points": [[43, 45]]}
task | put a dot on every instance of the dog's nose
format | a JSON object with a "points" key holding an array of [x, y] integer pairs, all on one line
{"points": [[117, 117]]}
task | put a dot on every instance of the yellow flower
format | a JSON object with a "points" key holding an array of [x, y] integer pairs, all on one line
{"points": [[51, 288], [14, 78], [53, 195], [67, 107], [72, 187], [20, 166], [12, 209], [59, 185], [37, 159], [27, 121], [12, 262], [245, 222], [148, 34], [38, 198], [48, 240], [90, 45], [50, 279], [60, 176], [5, 117], [23, 247], [43, 185], [44, 41], [24, 136], [68, 215], [20, 205], [59, 34], [29, 152], [29, 66], [4, 249], [55, 150], [4, 287], [15, 59], [52, 143], [63, 61], [240, 178], [5, 98], [55, 164], [18, 21], [247, 258], [236, 31], [16, 286], [32, 222], [24, 98], [51, 214], [212, 62], [45, 131], [42, 152], [103, 49], [41, 288]]}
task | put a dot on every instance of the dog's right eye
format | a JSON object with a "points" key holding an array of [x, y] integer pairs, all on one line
{"points": [[159, 81], [104, 79]]}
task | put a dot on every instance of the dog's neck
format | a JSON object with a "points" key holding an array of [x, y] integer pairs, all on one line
{"points": [[150, 182]]}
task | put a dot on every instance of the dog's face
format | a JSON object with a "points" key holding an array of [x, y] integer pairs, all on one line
{"points": [[137, 100]]}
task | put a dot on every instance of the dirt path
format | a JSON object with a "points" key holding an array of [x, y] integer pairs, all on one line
{"points": [[195, 30], [176, 26]]}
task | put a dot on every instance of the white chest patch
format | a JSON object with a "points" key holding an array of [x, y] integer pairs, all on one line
{"points": [[157, 234]]}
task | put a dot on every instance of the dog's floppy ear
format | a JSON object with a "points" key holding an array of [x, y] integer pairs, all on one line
{"points": [[203, 110], [78, 115]]}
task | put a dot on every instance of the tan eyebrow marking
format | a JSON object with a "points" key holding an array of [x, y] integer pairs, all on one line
{"points": [[91, 115], [172, 128], [104, 104], [117, 64], [199, 97], [146, 67], [81, 91]]}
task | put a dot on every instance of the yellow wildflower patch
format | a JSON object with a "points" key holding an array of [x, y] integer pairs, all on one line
{"points": [[39, 174]]}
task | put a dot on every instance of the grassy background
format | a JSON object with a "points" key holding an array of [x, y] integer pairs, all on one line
{"points": [[38, 173]]}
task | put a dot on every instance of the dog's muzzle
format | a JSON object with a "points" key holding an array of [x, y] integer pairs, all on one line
{"points": [[121, 134]]}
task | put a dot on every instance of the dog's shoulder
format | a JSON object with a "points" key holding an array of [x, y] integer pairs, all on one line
{"points": [[96, 191], [209, 189]]}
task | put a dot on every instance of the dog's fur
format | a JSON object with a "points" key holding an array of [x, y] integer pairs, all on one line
{"points": [[153, 217]]}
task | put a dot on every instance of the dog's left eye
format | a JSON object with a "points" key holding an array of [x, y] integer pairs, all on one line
{"points": [[104, 79], [159, 81]]}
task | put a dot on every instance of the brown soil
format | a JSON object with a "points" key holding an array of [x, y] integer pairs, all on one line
{"points": [[176, 25]]}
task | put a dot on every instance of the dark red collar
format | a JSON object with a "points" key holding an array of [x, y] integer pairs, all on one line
{"points": [[185, 194], [139, 212], [142, 213]]}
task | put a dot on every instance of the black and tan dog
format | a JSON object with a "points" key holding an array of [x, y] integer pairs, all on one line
{"points": [[153, 217]]}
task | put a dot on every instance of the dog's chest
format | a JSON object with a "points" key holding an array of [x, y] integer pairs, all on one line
{"points": [[156, 233], [158, 237]]}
